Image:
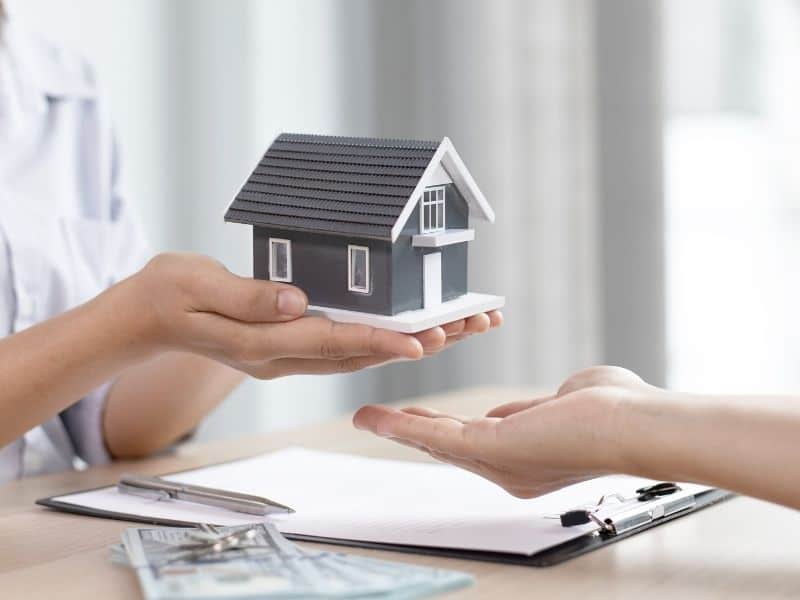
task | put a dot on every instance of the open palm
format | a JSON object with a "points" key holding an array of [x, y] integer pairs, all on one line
{"points": [[529, 447]]}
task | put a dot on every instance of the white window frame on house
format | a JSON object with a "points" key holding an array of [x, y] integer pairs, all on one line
{"points": [[433, 206], [351, 286], [288, 245]]}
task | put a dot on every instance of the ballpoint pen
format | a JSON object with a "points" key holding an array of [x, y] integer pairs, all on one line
{"points": [[162, 489]]}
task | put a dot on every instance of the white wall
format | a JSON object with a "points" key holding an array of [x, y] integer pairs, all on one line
{"points": [[733, 184], [198, 88]]}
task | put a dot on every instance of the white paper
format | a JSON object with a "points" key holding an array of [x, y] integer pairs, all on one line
{"points": [[366, 499]]}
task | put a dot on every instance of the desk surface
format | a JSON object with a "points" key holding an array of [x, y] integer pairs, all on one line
{"points": [[743, 548]]}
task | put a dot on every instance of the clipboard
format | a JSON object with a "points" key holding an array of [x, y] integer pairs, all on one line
{"points": [[635, 517], [546, 558]]}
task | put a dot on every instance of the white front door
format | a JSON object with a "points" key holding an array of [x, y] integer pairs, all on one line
{"points": [[432, 279]]}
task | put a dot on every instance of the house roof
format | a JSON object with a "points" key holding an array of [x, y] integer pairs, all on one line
{"points": [[364, 187]]}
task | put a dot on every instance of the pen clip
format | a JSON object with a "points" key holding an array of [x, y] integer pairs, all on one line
{"points": [[145, 492], [138, 484]]}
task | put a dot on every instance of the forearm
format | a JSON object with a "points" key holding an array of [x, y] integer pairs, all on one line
{"points": [[51, 365], [153, 404], [180, 303], [748, 444]]}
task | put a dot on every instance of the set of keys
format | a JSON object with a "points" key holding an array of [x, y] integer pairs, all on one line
{"points": [[209, 542]]}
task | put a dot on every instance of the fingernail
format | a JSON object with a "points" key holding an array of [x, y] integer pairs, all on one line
{"points": [[291, 303]]}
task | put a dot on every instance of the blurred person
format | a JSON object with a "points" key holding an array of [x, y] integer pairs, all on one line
{"points": [[100, 358], [605, 420]]}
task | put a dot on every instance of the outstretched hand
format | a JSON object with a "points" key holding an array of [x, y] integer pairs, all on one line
{"points": [[529, 447]]}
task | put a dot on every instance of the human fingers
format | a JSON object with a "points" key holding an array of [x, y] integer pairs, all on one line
{"points": [[432, 340], [215, 289], [438, 434], [457, 331], [450, 340], [306, 337], [495, 318], [463, 329], [422, 411], [504, 410], [317, 337], [474, 324], [454, 327], [282, 367], [479, 323], [464, 463]]}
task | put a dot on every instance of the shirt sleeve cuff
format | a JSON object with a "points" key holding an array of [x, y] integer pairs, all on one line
{"points": [[84, 423]]}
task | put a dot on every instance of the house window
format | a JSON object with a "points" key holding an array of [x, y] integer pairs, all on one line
{"points": [[358, 269], [432, 210], [280, 260]]}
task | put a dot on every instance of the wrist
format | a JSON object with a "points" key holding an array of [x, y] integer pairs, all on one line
{"points": [[649, 425], [130, 318]]}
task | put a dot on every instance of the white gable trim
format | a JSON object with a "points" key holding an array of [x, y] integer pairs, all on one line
{"points": [[440, 177], [446, 157]]}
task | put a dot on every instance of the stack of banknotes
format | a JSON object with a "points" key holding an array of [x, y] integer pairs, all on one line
{"points": [[258, 562]]}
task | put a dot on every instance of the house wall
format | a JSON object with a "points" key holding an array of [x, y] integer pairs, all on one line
{"points": [[407, 260], [319, 268]]}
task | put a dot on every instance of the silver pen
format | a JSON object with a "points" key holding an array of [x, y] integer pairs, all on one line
{"points": [[161, 489]]}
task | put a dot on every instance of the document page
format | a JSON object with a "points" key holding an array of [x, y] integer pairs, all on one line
{"points": [[374, 500]]}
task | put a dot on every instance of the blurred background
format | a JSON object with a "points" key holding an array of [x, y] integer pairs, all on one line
{"points": [[641, 155]]}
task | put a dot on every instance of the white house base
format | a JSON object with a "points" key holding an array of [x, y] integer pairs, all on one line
{"points": [[413, 321]]}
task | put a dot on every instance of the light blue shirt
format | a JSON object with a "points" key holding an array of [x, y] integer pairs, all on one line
{"points": [[66, 232]]}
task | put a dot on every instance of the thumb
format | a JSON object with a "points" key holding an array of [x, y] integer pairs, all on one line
{"points": [[245, 299], [599, 376]]}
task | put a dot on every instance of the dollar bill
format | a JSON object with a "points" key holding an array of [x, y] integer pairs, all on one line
{"points": [[172, 564]]}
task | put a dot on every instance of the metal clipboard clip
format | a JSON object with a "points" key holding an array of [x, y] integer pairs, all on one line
{"points": [[613, 514]]}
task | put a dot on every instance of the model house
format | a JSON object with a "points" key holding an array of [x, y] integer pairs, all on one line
{"points": [[373, 230]]}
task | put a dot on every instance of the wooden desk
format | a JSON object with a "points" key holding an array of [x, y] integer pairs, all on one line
{"points": [[741, 549]]}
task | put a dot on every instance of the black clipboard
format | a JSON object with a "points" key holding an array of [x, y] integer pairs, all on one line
{"points": [[546, 558]]}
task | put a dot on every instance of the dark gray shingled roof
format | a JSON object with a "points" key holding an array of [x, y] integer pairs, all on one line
{"points": [[346, 185]]}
